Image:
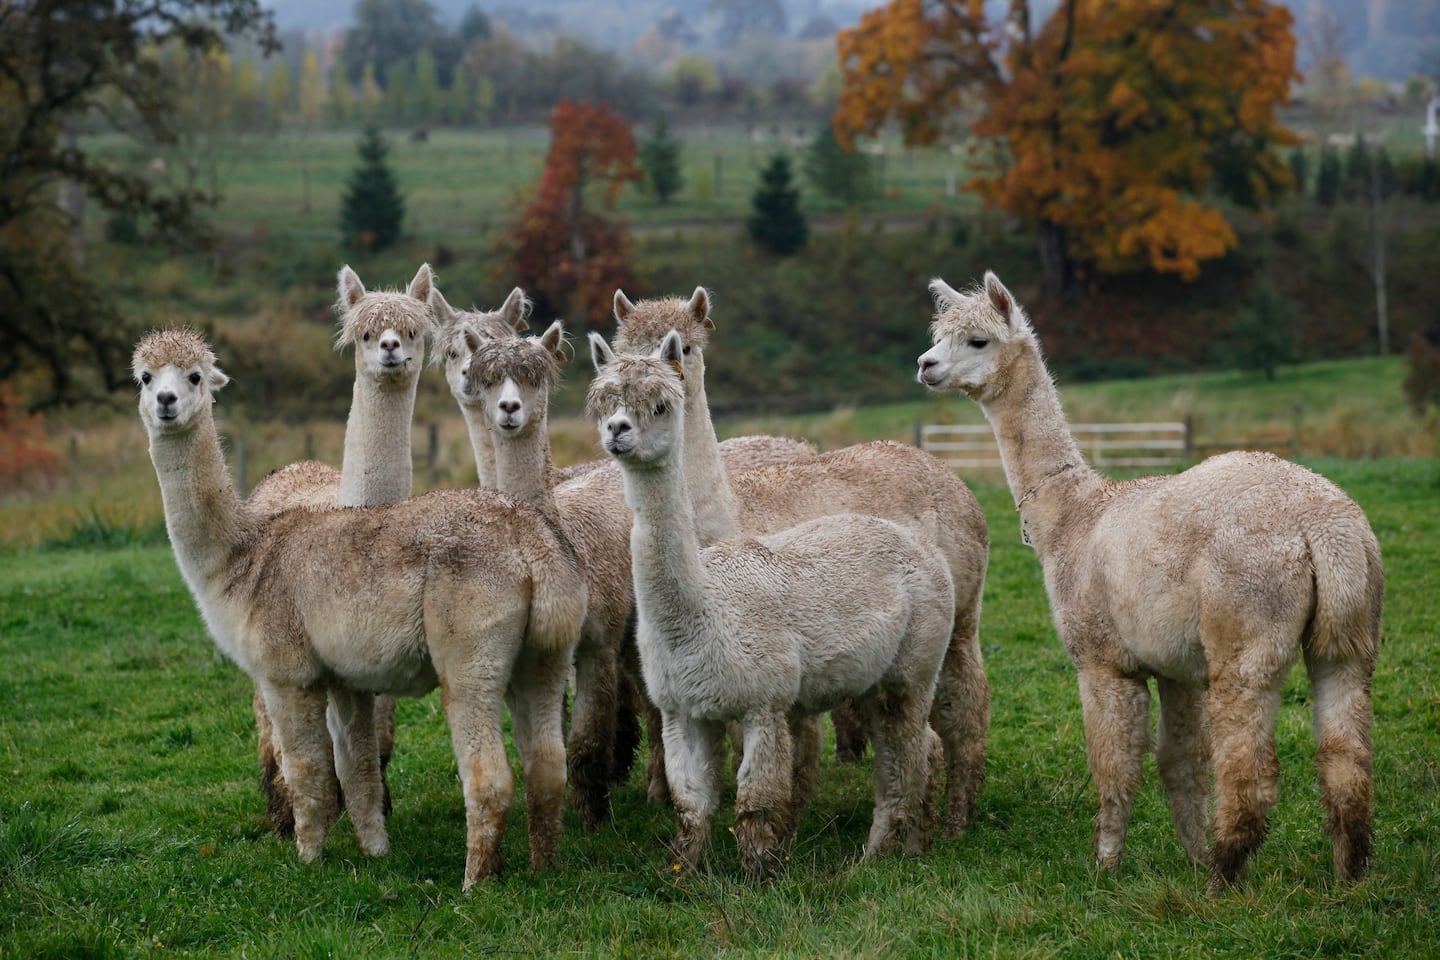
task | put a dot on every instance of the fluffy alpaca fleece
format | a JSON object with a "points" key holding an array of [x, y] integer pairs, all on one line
{"points": [[388, 331], [1212, 581], [888, 480], [765, 630], [480, 597], [512, 379]]}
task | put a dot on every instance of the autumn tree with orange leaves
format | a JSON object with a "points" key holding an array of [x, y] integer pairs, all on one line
{"points": [[568, 257], [1111, 127]]}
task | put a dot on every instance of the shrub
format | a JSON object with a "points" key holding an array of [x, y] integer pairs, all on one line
{"points": [[24, 453], [1422, 373]]}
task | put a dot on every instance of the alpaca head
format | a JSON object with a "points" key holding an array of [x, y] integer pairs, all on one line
{"points": [[450, 326], [387, 328], [513, 376], [640, 327], [178, 377], [638, 402], [974, 336]]}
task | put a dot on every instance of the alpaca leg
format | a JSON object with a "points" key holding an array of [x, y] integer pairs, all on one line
{"points": [[902, 741], [629, 708], [763, 792], [351, 718], [961, 715], [278, 807], [807, 739], [385, 741], [1182, 755], [657, 783], [694, 750], [1341, 690], [474, 709], [850, 735], [1242, 713], [592, 731], [1117, 734], [538, 685], [306, 762]]}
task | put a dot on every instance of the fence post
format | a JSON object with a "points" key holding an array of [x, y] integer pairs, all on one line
{"points": [[432, 452], [1189, 438], [1295, 432], [919, 435]]}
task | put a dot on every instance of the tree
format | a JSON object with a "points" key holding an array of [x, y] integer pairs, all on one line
{"points": [[660, 159], [425, 90], [842, 174], [569, 257], [372, 211], [777, 223], [277, 94], [62, 61], [1265, 333], [342, 98], [1106, 128], [390, 32], [741, 18], [1328, 178]]}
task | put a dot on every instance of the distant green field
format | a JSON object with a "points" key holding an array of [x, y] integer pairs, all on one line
{"points": [[131, 823]]}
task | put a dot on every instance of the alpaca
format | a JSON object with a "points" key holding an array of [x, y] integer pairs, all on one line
{"points": [[479, 597], [883, 479], [512, 379], [1212, 581], [387, 330], [763, 630]]}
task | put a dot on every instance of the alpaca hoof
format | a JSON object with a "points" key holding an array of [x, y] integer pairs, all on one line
{"points": [[760, 842], [378, 846], [309, 852], [481, 867]]}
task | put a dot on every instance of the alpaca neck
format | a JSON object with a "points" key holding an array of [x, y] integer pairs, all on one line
{"points": [[665, 548], [523, 468], [716, 515], [1043, 464], [377, 467], [482, 443], [203, 514]]}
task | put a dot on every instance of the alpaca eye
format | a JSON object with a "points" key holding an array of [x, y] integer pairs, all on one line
{"points": [[686, 351], [145, 377], [452, 355], [412, 336], [195, 379], [979, 343], [367, 338], [660, 409]]}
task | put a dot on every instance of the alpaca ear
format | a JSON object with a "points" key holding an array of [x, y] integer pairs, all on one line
{"points": [[514, 310], [422, 284], [623, 306], [472, 338], [700, 306], [216, 378], [600, 352], [945, 295], [444, 313], [672, 351], [351, 289], [1002, 300], [553, 339]]}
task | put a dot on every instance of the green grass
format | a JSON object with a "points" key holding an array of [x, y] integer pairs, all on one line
{"points": [[131, 823]]}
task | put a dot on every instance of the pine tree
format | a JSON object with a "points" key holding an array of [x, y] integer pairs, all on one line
{"points": [[1299, 170], [777, 223], [1327, 180], [660, 159], [373, 210], [843, 175]]}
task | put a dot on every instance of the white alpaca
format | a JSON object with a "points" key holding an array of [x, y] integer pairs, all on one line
{"points": [[1212, 581], [883, 479], [512, 379], [478, 595], [387, 330], [763, 630]]}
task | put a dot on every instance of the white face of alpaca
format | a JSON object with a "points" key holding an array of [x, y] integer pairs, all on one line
{"points": [[969, 334], [639, 439], [170, 396], [964, 360], [457, 375], [507, 405], [390, 354]]}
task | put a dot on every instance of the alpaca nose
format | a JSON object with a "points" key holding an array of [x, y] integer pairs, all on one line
{"points": [[509, 406], [390, 343], [165, 398], [927, 363], [617, 427]]}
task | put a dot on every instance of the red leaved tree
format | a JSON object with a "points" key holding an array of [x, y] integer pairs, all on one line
{"points": [[1112, 124], [567, 256]]}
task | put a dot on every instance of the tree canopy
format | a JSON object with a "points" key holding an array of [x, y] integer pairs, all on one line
{"points": [[63, 62], [1110, 124]]}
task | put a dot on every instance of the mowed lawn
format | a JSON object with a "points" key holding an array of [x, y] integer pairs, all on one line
{"points": [[131, 823]]}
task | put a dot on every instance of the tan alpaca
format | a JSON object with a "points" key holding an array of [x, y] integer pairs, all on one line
{"points": [[888, 480], [387, 330], [511, 378], [478, 595], [765, 630], [1212, 581]]}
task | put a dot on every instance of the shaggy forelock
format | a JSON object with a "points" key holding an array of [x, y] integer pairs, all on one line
{"points": [[648, 323], [973, 314], [522, 360], [635, 382], [380, 311], [181, 347], [450, 334]]}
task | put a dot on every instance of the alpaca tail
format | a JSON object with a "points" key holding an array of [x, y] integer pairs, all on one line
{"points": [[559, 599], [1349, 589]]}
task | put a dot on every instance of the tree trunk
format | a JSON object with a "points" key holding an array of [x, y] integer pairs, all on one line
{"points": [[1379, 230], [1056, 269]]}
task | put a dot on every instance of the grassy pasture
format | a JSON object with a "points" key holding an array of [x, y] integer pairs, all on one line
{"points": [[131, 823]]}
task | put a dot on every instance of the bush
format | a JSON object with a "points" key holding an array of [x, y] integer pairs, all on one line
{"points": [[1422, 374]]}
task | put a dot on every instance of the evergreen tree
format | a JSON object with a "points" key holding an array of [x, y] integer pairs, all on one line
{"points": [[1299, 170], [844, 175], [372, 211], [777, 223], [1265, 333], [1327, 179], [660, 159]]}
